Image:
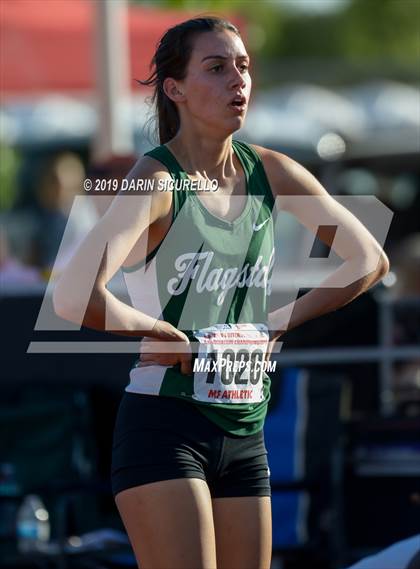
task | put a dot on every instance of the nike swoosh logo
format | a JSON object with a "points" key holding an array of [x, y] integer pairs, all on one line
{"points": [[258, 227]]}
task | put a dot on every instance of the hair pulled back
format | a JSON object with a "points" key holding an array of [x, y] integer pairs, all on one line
{"points": [[171, 59]]}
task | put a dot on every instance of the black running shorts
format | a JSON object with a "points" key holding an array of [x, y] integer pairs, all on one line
{"points": [[161, 438]]}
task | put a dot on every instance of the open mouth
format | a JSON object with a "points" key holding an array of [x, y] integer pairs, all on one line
{"points": [[238, 103]]}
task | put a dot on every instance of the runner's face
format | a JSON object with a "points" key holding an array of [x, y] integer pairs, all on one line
{"points": [[218, 85]]}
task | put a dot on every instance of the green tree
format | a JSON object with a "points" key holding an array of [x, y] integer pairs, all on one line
{"points": [[381, 29], [368, 34]]}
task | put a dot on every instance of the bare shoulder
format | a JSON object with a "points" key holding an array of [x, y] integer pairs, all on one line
{"points": [[286, 176], [148, 168], [145, 196]]}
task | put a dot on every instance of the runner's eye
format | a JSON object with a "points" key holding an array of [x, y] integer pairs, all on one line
{"points": [[216, 68]]}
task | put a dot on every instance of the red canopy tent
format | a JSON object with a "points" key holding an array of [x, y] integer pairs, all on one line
{"points": [[48, 45]]}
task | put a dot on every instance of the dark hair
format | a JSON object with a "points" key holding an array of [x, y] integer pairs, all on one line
{"points": [[171, 58]]}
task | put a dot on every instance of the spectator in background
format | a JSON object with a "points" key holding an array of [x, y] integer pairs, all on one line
{"points": [[43, 215], [61, 182], [40, 215]]}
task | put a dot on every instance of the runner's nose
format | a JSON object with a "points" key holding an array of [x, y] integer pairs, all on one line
{"points": [[237, 79]]}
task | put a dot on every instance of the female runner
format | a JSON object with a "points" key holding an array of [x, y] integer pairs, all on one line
{"points": [[189, 467]]}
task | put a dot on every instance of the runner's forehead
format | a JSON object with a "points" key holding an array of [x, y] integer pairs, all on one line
{"points": [[222, 44]]}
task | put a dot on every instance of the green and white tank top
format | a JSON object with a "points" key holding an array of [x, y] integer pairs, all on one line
{"points": [[210, 278]]}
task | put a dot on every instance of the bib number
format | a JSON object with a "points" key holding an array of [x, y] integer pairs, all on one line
{"points": [[230, 363]]}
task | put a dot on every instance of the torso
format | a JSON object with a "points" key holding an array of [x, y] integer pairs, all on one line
{"points": [[225, 203], [211, 278]]}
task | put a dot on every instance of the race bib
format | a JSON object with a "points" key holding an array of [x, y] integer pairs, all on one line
{"points": [[230, 363]]}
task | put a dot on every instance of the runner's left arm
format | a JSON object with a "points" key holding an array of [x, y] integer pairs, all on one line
{"points": [[365, 262]]}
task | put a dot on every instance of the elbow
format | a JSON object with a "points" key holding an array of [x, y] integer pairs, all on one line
{"points": [[72, 307], [375, 265], [380, 268], [383, 265], [376, 259]]}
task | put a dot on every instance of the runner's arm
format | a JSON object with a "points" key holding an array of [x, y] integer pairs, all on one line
{"points": [[362, 254], [81, 298]]}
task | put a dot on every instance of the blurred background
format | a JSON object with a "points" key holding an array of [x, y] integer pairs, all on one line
{"points": [[336, 87]]}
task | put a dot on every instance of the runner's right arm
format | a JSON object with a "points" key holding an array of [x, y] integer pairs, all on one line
{"points": [[81, 296]]}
